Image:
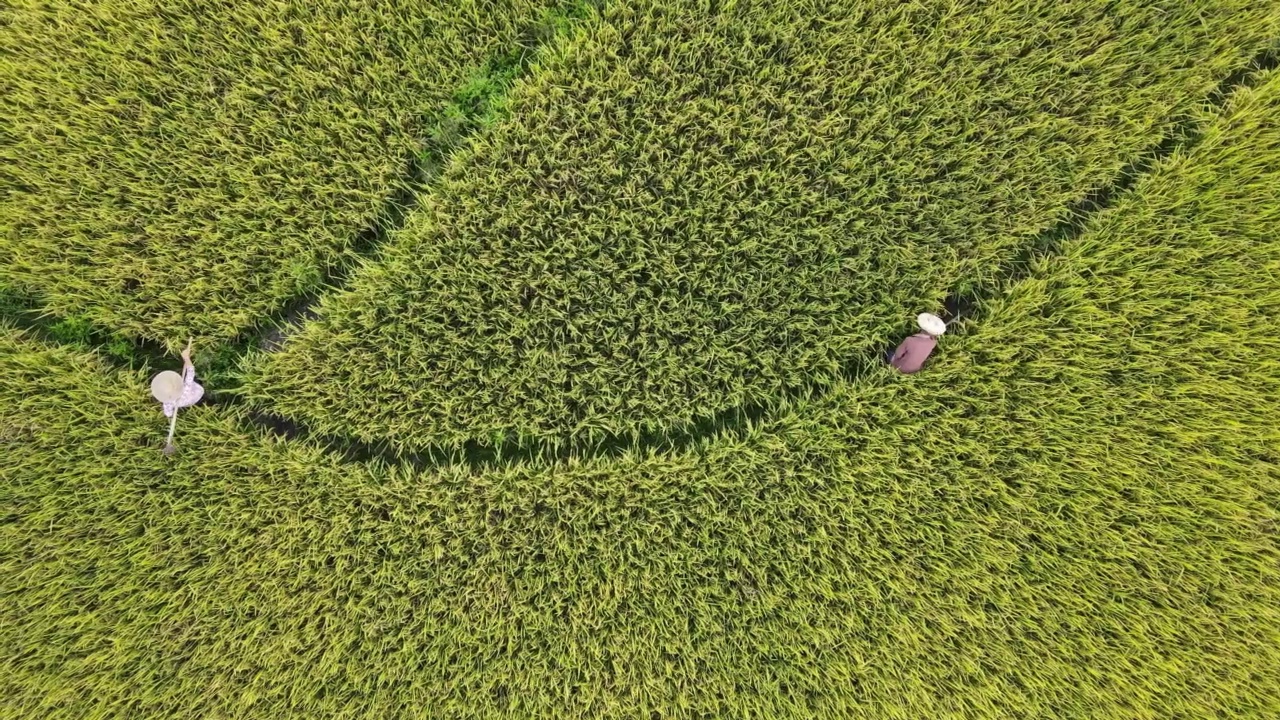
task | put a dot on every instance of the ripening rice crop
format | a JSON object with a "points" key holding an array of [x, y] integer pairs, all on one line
{"points": [[1072, 513], [689, 211], [184, 168]]}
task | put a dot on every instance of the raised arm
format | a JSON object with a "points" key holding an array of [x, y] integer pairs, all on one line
{"points": [[188, 369]]}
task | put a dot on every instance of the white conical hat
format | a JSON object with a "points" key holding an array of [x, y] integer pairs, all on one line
{"points": [[166, 386], [931, 323]]}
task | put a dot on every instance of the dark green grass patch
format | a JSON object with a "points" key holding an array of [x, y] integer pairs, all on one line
{"points": [[691, 211], [1072, 513], [186, 168]]}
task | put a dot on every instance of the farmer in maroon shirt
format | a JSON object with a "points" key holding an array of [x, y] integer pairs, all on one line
{"points": [[911, 354]]}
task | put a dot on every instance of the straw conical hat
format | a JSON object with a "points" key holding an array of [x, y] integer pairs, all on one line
{"points": [[166, 386], [931, 323]]}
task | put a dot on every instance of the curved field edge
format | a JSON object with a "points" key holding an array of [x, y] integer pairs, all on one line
{"points": [[687, 213], [1072, 513], [191, 169]]}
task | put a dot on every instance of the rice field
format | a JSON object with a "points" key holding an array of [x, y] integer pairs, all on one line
{"points": [[689, 213], [1072, 512], [176, 169]]}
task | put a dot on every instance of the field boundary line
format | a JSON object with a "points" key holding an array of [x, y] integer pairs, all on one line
{"points": [[1184, 133], [476, 103]]}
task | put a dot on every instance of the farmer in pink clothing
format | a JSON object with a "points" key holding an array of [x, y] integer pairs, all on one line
{"points": [[911, 354], [176, 391]]}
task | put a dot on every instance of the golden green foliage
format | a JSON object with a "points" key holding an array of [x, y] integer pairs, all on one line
{"points": [[692, 211], [1073, 513], [185, 168]]}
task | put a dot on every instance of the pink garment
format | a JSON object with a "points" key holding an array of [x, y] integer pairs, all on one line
{"points": [[192, 391], [911, 354]]}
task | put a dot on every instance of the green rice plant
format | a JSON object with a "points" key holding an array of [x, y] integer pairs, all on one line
{"points": [[23, 311], [170, 169], [1071, 513], [697, 208]]}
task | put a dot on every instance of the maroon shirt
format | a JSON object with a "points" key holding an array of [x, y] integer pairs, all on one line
{"points": [[911, 354]]}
